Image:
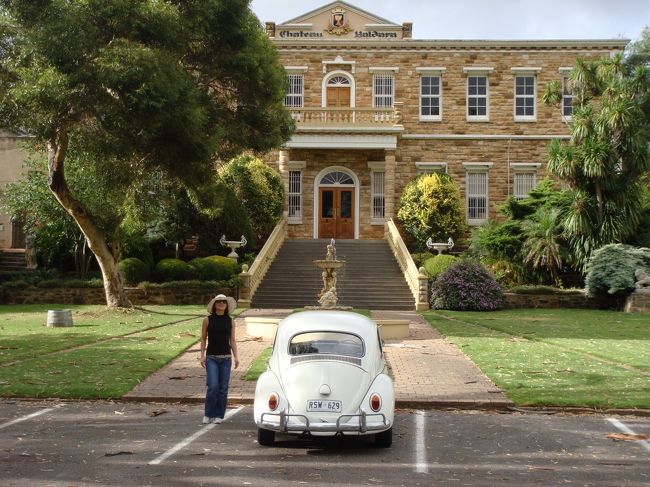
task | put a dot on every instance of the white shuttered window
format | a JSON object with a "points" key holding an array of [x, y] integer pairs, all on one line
{"points": [[378, 196], [477, 197], [295, 91], [295, 196], [383, 90]]}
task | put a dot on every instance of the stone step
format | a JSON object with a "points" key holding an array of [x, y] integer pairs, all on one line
{"points": [[371, 277]]}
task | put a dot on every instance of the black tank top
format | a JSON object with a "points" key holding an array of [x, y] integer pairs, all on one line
{"points": [[219, 328]]}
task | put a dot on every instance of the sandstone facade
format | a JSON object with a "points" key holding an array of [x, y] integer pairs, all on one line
{"points": [[349, 137]]}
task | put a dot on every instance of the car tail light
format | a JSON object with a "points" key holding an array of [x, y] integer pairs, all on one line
{"points": [[375, 402], [273, 401]]}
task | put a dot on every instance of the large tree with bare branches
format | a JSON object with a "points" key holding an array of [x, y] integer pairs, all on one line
{"points": [[149, 85]]}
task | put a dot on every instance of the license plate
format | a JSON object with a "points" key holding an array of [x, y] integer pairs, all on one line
{"points": [[324, 406]]}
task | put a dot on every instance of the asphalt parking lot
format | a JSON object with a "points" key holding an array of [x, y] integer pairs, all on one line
{"points": [[128, 444]]}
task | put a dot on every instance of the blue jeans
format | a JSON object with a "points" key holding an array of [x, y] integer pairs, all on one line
{"points": [[217, 372]]}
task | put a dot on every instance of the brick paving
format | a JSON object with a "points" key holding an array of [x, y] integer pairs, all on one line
{"points": [[428, 370]]}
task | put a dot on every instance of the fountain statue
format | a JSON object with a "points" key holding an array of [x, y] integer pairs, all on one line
{"points": [[327, 296]]}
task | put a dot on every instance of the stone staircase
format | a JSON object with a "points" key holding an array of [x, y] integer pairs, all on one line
{"points": [[12, 260], [371, 277]]}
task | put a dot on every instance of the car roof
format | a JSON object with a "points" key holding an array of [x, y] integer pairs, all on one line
{"points": [[344, 321]]}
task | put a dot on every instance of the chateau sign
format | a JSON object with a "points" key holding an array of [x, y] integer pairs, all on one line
{"points": [[339, 22]]}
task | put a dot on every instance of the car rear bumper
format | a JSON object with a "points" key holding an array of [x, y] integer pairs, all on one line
{"points": [[350, 423]]}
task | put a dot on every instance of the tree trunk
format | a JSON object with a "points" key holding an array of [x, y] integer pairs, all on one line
{"points": [[113, 286]]}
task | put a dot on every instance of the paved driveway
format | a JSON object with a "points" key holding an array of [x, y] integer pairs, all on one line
{"points": [[133, 444]]}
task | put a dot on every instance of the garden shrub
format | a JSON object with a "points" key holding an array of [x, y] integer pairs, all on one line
{"points": [[133, 245], [171, 269], [259, 188], [70, 283], [419, 258], [207, 269], [134, 270], [430, 206], [466, 286], [611, 268], [229, 266], [232, 221], [437, 264]]}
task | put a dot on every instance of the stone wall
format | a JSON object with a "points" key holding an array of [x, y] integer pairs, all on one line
{"points": [[555, 301], [638, 302], [34, 295]]}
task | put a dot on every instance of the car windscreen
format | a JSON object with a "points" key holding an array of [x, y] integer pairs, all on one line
{"points": [[328, 343]]}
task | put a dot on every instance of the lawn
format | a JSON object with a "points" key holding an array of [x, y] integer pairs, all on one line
{"points": [[566, 357], [104, 355]]}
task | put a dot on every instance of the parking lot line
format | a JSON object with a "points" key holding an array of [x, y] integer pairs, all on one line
{"points": [[623, 428], [421, 465], [179, 446], [29, 416]]}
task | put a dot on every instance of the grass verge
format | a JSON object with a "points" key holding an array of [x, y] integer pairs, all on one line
{"points": [[258, 367], [104, 355], [581, 358]]}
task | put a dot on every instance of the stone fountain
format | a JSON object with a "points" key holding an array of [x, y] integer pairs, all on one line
{"points": [[329, 265]]}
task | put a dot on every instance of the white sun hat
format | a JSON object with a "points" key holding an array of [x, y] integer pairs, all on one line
{"points": [[232, 304]]}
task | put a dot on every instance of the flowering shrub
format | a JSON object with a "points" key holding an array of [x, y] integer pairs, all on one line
{"points": [[466, 286]]}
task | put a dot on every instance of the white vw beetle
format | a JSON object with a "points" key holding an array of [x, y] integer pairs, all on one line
{"points": [[326, 376]]}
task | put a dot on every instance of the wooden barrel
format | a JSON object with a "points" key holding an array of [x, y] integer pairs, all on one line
{"points": [[59, 318]]}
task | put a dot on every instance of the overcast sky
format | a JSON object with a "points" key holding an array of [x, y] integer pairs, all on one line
{"points": [[491, 19]]}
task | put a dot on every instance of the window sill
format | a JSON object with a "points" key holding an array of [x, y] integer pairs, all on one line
{"points": [[381, 222], [478, 119], [526, 119], [477, 222], [294, 221], [430, 119]]}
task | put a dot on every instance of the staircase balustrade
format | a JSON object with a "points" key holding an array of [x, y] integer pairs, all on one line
{"points": [[251, 278], [416, 279]]}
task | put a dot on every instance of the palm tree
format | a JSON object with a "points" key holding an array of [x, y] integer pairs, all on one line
{"points": [[544, 245], [604, 161]]}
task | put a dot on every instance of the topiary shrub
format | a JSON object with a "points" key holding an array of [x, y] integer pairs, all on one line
{"points": [[171, 269], [229, 266], [611, 268], [431, 206], [210, 268], [437, 264], [466, 286], [134, 270]]}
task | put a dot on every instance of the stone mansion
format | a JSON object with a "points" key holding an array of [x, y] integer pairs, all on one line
{"points": [[374, 108]]}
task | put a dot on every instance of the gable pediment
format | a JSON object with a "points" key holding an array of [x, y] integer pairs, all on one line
{"points": [[338, 20]]}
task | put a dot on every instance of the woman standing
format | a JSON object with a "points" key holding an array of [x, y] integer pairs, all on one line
{"points": [[219, 332]]}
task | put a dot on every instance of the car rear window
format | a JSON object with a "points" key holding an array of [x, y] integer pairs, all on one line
{"points": [[328, 343]]}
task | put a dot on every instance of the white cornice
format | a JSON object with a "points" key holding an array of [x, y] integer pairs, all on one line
{"points": [[525, 69], [478, 69], [484, 137], [393, 69], [342, 141], [296, 69], [463, 45], [430, 70]]}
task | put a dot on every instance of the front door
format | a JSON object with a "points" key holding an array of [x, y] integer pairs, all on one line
{"points": [[336, 216], [338, 97]]}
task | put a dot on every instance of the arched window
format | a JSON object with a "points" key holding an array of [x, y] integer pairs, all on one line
{"points": [[336, 178], [338, 81]]}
